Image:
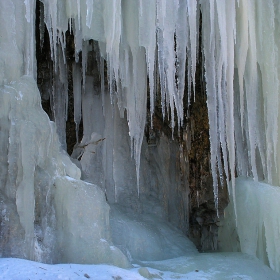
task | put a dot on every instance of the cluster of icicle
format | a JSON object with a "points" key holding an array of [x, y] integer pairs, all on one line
{"points": [[157, 40]]}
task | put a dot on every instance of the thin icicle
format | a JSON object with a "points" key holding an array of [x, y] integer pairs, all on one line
{"points": [[77, 86], [209, 50], [192, 18], [242, 48], [230, 126], [89, 12], [147, 39], [85, 50], [79, 13], [102, 83], [182, 41]]}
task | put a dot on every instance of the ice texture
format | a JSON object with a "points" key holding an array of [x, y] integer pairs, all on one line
{"points": [[83, 229], [147, 237], [58, 217], [146, 47], [215, 266], [77, 92], [39, 182], [257, 230], [240, 86], [32, 159]]}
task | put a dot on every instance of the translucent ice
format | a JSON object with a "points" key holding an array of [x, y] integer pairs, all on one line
{"points": [[257, 232]]}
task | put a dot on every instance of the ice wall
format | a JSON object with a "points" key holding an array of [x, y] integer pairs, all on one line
{"points": [[17, 44], [257, 231], [41, 191], [41, 194]]}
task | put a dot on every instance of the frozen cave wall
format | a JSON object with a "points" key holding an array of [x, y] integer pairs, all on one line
{"points": [[42, 217], [175, 176], [40, 186], [237, 47], [126, 84]]}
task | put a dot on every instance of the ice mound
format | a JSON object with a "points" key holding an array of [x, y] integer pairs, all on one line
{"points": [[83, 224], [147, 237]]}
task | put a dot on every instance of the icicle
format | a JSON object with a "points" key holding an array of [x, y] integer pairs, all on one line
{"points": [[62, 42], [30, 64], [50, 9], [79, 13], [147, 39], [251, 89], [164, 34], [221, 72], [89, 12], [209, 51], [182, 41], [112, 27], [41, 25], [192, 20], [242, 48], [230, 126], [102, 83], [77, 79], [161, 11], [84, 62], [137, 99]]}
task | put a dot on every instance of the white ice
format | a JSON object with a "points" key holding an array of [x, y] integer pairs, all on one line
{"points": [[218, 266], [258, 224], [240, 45]]}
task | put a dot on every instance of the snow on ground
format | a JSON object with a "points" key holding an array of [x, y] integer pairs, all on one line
{"points": [[231, 266]]}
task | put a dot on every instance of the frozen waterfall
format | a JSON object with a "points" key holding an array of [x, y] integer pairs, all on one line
{"points": [[147, 55], [158, 40]]}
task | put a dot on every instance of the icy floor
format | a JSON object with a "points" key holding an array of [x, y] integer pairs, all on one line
{"points": [[233, 266]]}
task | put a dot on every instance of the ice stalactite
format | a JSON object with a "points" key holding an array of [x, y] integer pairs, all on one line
{"points": [[218, 45], [241, 86], [77, 90], [134, 38], [158, 41]]}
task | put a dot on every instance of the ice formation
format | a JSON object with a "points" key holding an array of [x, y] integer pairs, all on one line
{"points": [[38, 180], [158, 40], [144, 47], [42, 182], [258, 225]]}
